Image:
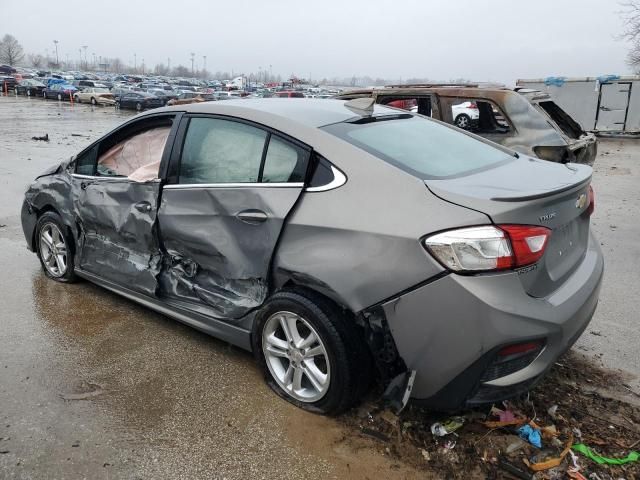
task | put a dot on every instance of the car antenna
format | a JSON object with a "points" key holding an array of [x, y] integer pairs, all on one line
{"points": [[361, 106]]}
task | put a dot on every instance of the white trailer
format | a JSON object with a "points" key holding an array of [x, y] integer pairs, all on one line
{"points": [[605, 104]]}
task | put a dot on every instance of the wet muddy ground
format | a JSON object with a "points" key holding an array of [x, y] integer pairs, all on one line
{"points": [[94, 386]]}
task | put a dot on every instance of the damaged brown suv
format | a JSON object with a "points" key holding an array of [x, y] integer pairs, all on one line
{"points": [[527, 121]]}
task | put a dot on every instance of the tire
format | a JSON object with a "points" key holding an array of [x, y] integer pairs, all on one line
{"points": [[463, 121], [55, 248], [76, 99], [93, 101], [117, 104], [44, 95], [139, 106], [59, 96], [28, 93], [340, 365]]}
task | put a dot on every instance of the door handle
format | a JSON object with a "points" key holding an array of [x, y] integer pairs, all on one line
{"points": [[144, 207], [252, 216]]}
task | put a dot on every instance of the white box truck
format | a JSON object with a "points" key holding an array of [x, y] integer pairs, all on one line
{"points": [[605, 104]]}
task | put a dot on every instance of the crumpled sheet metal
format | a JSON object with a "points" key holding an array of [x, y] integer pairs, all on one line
{"points": [[213, 257], [117, 241]]}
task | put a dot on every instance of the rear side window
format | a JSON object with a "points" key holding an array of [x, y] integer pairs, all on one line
{"points": [[420, 146], [567, 124], [221, 151], [284, 162]]}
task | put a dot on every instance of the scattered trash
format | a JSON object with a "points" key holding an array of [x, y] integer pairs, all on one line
{"points": [[516, 445], [374, 434], [91, 390], [530, 434], [426, 455], [450, 444], [514, 470], [597, 333], [547, 461], [506, 418], [552, 411], [451, 425], [4, 451], [576, 433], [600, 460], [43, 138]]}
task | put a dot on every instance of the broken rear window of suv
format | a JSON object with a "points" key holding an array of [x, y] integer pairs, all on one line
{"points": [[421, 147]]}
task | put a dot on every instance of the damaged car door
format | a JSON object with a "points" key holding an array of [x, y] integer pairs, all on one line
{"points": [[117, 185], [230, 187]]}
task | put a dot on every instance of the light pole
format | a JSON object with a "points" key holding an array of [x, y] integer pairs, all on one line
{"points": [[86, 65], [94, 61], [169, 65], [57, 60], [204, 68], [143, 66], [135, 63], [192, 57], [271, 73]]}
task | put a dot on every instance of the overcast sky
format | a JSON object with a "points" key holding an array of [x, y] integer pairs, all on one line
{"points": [[490, 40]]}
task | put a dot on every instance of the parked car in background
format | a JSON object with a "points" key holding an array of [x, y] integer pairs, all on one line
{"points": [[82, 84], [288, 94], [30, 87], [337, 241], [59, 91], [503, 116], [465, 115], [94, 96], [227, 95], [165, 95], [138, 101], [7, 83]]}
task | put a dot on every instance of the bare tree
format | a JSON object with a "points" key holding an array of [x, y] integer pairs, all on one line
{"points": [[36, 60], [631, 33], [11, 51]]}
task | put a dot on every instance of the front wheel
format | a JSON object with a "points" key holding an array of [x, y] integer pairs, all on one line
{"points": [[93, 101], [117, 104], [55, 248], [139, 106], [311, 354], [59, 96]]}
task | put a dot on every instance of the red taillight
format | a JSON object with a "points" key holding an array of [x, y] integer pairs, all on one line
{"points": [[592, 202], [527, 242], [490, 247], [520, 349]]}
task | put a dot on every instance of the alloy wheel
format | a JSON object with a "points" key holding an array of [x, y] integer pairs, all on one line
{"points": [[53, 250], [296, 356]]}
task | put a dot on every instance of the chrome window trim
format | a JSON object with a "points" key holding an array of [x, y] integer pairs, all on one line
{"points": [[339, 179], [110, 179], [179, 186]]}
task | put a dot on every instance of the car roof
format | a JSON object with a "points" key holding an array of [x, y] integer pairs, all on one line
{"points": [[311, 112]]}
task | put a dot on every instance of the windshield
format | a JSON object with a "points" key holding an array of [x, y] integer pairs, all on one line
{"points": [[420, 146]]}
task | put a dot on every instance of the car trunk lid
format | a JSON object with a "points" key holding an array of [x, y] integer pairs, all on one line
{"points": [[532, 192]]}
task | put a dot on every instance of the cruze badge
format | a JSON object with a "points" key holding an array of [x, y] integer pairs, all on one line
{"points": [[581, 201], [548, 216]]}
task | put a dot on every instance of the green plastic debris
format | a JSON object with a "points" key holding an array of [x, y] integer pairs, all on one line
{"points": [[587, 452]]}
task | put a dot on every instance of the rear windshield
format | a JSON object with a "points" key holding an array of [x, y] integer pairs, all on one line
{"points": [[567, 124], [420, 146]]}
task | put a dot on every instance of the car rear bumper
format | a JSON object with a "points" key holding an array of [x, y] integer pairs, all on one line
{"points": [[450, 330]]}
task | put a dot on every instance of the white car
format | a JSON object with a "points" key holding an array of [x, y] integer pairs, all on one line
{"points": [[465, 114], [95, 96]]}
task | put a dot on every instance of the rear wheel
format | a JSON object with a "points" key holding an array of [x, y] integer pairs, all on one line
{"points": [[59, 96], [139, 106], [44, 95], [76, 99], [93, 101], [55, 248], [463, 121], [28, 93], [310, 352], [117, 104]]}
